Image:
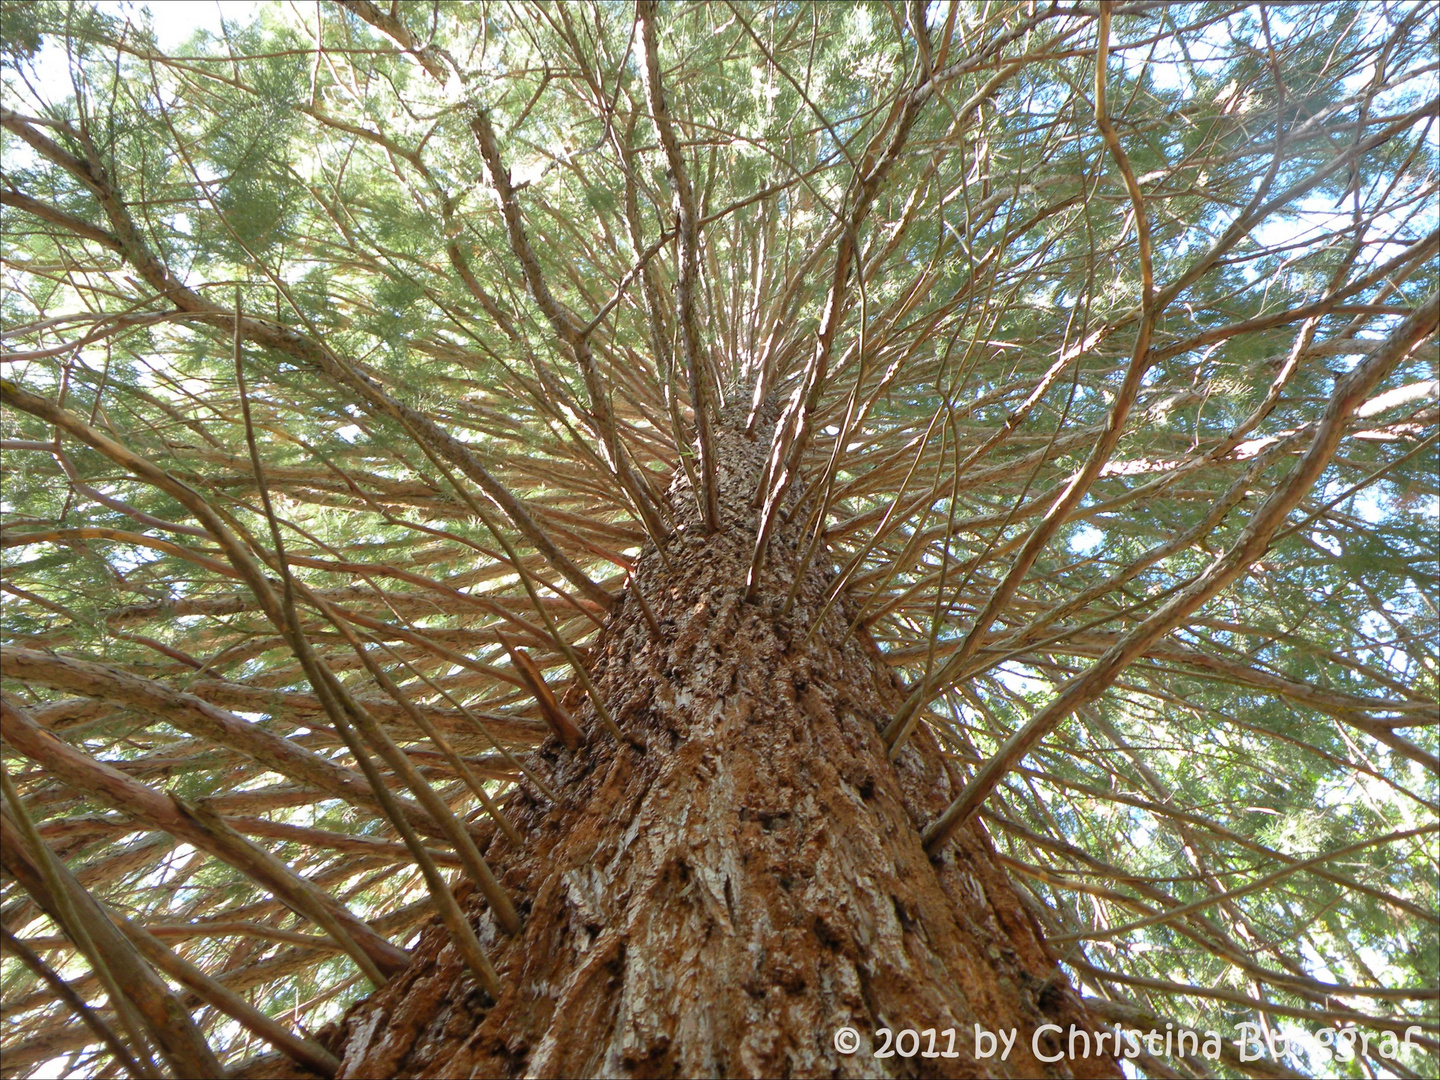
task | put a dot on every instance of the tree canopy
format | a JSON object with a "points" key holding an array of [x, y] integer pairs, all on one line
{"points": [[349, 352]]}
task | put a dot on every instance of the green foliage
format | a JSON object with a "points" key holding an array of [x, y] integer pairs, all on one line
{"points": [[313, 166]]}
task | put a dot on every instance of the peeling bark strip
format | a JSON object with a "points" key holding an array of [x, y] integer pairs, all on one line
{"points": [[720, 902]]}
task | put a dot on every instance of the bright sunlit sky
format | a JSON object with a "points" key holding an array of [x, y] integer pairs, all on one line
{"points": [[174, 22]]}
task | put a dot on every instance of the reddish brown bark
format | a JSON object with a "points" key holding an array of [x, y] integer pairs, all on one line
{"points": [[719, 898]]}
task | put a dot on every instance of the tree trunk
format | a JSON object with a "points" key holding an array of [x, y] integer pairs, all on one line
{"points": [[719, 897]]}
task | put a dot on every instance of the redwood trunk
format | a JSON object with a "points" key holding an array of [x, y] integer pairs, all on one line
{"points": [[719, 899]]}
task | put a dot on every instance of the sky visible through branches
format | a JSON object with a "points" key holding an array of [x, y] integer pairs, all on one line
{"points": [[1106, 388]]}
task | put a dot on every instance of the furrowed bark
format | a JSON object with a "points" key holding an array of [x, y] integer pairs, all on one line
{"points": [[719, 901], [1012, 447]]}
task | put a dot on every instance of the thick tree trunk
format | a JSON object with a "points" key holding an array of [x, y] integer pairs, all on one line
{"points": [[718, 901]]}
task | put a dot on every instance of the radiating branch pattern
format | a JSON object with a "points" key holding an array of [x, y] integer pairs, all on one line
{"points": [[358, 356]]}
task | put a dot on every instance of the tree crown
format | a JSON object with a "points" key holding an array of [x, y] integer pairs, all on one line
{"points": [[352, 351]]}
